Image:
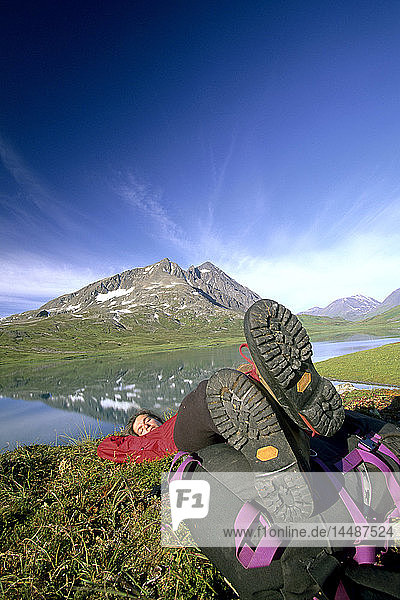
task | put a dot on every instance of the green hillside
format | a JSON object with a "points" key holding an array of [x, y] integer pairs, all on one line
{"points": [[64, 337], [383, 324], [324, 328], [378, 365]]}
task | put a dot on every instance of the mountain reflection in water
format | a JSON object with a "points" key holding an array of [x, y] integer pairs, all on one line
{"points": [[110, 390]]}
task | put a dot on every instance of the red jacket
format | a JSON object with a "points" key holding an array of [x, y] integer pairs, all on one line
{"points": [[154, 445]]}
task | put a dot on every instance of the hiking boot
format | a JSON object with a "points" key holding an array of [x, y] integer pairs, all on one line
{"points": [[281, 350], [277, 450]]}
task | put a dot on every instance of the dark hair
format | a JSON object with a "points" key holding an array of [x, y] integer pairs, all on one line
{"points": [[129, 426]]}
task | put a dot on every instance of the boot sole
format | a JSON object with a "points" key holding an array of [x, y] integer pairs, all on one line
{"points": [[249, 423], [281, 350]]}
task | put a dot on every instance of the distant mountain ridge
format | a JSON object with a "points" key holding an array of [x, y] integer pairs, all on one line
{"points": [[356, 308], [389, 302], [165, 300], [164, 289], [352, 308]]}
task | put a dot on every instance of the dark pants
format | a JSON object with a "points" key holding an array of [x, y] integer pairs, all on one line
{"points": [[194, 428]]}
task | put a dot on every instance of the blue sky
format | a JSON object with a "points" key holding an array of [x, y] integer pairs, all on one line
{"points": [[263, 136]]}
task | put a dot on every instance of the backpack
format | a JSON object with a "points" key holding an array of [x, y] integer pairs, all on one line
{"points": [[292, 573]]}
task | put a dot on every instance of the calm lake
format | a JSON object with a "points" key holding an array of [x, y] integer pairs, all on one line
{"points": [[97, 397]]}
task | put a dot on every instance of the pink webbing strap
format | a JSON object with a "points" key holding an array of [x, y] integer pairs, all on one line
{"points": [[181, 469], [357, 456], [341, 593], [383, 449], [348, 501], [249, 520], [364, 554], [365, 454], [177, 456]]}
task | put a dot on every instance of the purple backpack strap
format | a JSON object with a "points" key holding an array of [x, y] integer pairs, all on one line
{"points": [[384, 449], [341, 593], [369, 444], [178, 474], [365, 453], [351, 506], [359, 455], [364, 554], [391, 482], [248, 519]]}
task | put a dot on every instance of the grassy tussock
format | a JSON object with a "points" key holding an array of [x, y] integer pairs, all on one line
{"points": [[74, 526]]}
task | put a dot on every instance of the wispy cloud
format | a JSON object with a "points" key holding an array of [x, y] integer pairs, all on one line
{"points": [[363, 205], [16, 167], [27, 275], [367, 264], [350, 247], [219, 170], [148, 200], [35, 202], [341, 253], [218, 176]]}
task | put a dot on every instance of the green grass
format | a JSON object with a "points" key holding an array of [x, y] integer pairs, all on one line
{"points": [[73, 526], [378, 365]]}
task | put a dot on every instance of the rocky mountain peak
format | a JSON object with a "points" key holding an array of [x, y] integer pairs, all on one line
{"points": [[224, 290], [162, 290], [392, 300], [166, 266]]}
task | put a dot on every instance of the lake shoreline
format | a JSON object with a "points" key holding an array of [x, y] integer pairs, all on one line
{"points": [[379, 365], [11, 359], [384, 386]]}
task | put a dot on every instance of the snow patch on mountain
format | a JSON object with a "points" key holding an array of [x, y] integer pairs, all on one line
{"points": [[113, 294], [73, 306]]}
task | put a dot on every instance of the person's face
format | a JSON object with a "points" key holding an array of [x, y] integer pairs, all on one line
{"points": [[144, 423]]}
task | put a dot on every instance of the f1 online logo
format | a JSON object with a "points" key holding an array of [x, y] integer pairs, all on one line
{"points": [[189, 500]]}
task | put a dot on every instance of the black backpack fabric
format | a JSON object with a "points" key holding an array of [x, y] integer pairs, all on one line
{"points": [[298, 573]]}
